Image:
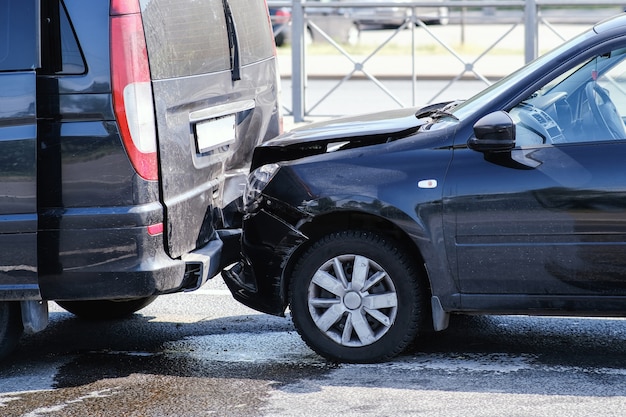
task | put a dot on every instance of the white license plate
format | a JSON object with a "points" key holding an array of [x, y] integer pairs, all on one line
{"points": [[215, 133]]}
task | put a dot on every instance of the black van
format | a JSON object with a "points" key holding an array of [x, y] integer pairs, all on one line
{"points": [[126, 126]]}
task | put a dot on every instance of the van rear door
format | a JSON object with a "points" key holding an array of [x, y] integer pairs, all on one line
{"points": [[19, 58], [214, 83]]}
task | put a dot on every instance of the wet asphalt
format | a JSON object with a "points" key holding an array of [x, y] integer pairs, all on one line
{"points": [[202, 354]]}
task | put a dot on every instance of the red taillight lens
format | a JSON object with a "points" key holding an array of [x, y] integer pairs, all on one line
{"points": [[119, 7], [132, 90], [155, 229]]}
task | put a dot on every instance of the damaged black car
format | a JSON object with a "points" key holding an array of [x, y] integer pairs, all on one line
{"points": [[375, 229]]}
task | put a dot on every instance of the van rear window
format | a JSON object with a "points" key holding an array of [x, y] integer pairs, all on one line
{"points": [[253, 30], [190, 37]]}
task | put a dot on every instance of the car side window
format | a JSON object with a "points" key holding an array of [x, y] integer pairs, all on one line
{"points": [[584, 104], [613, 82], [18, 35], [72, 61]]}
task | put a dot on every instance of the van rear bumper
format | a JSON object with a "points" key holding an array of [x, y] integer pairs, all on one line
{"points": [[129, 263], [206, 262]]}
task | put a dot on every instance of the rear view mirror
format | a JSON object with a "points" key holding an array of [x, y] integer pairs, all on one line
{"points": [[494, 132]]}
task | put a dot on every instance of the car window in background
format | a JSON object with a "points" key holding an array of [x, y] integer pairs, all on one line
{"points": [[18, 34]]}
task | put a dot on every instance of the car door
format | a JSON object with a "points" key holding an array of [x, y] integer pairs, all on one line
{"points": [[19, 58], [548, 218], [558, 228]]}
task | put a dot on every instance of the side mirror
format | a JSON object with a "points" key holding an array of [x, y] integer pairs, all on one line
{"points": [[494, 132]]}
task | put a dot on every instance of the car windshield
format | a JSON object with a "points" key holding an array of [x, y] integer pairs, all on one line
{"points": [[585, 103], [469, 107], [591, 69]]}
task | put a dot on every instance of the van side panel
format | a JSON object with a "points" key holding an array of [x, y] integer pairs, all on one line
{"points": [[19, 57], [18, 204]]}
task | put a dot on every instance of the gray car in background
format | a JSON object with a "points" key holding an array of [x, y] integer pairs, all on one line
{"points": [[335, 22], [397, 13]]}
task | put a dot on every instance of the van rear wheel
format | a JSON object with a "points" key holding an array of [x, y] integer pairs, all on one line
{"points": [[10, 327], [106, 309]]}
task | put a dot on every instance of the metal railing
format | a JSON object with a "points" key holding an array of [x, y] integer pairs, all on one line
{"points": [[529, 13]]}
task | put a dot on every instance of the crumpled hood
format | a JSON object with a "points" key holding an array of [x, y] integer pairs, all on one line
{"points": [[341, 133]]}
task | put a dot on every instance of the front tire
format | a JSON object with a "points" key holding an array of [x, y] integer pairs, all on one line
{"points": [[355, 297], [10, 327], [106, 309]]}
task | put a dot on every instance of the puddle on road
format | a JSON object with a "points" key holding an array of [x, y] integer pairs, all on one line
{"points": [[275, 356], [277, 347], [272, 353]]}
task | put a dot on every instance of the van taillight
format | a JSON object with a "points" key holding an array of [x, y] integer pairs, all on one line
{"points": [[132, 90]]}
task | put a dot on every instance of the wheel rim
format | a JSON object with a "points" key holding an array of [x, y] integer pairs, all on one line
{"points": [[352, 300]]}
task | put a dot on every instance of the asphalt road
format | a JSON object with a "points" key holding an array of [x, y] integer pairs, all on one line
{"points": [[202, 354]]}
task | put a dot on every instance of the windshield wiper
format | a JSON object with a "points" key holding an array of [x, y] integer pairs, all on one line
{"points": [[435, 112], [233, 43]]}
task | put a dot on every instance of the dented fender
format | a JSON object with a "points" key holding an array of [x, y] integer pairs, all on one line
{"points": [[257, 280]]}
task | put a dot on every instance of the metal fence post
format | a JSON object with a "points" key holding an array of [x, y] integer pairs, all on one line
{"points": [[297, 60], [531, 31]]}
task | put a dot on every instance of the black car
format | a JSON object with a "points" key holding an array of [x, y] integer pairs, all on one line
{"points": [[125, 131], [376, 228]]}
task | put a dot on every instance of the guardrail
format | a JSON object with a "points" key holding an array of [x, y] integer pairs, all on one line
{"points": [[532, 14]]}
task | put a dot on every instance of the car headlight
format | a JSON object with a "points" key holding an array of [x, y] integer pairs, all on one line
{"points": [[257, 181]]}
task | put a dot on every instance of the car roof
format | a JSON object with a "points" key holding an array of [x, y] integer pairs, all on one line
{"points": [[617, 22]]}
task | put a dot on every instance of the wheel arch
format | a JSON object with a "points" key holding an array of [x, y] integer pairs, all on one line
{"points": [[343, 220]]}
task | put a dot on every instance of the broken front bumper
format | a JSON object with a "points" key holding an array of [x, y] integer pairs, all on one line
{"points": [[258, 280]]}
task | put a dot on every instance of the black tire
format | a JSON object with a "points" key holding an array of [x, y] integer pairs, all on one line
{"points": [[322, 314], [279, 39], [106, 309], [10, 327]]}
